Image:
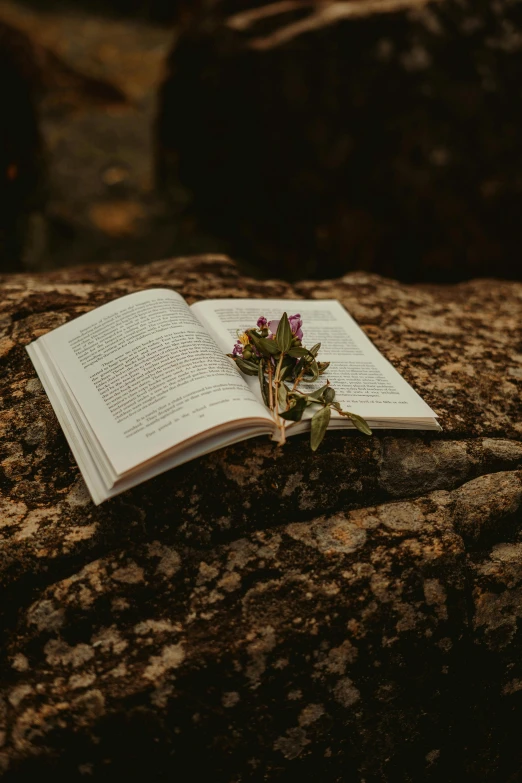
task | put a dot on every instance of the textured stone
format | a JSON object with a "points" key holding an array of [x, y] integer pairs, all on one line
{"points": [[95, 76], [372, 134], [159, 10], [263, 614], [487, 502], [21, 156]]}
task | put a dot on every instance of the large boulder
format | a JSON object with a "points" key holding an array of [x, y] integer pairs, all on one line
{"points": [[21, 155], [87, 83], [321, 137], [158, 10], [263, 614]]}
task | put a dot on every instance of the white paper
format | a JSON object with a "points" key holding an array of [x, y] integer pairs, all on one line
{"points": [[365, 382], [147, 376]]}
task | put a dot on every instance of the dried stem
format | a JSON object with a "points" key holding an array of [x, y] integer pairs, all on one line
{"points": [[277, 383], [270, 388], [322, 14]]}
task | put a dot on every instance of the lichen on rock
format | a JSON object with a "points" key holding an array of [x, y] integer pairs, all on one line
{"points": [[258, 613]]}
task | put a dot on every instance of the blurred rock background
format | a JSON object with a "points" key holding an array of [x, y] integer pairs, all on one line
{"points": [[93, 73], [305, 138]]}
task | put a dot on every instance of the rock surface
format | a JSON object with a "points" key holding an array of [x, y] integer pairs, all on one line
{"points": [[375, 134], [21, 157], [159, 10], [95, 80], [265, 615]]}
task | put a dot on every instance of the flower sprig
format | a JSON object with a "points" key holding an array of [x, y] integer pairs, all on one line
{"points": [[273, 351]]}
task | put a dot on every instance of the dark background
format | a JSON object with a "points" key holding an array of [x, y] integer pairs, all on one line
{"points": [[157, 10], [388, 142]]}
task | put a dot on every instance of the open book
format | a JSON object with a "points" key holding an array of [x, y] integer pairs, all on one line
{"points": [[142, 384]]}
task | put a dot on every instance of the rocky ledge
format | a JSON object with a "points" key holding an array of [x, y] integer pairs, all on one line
{"points": [[263, 614]]}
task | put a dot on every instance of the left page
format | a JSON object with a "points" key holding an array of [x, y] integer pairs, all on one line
{"points": [[147, 376]]}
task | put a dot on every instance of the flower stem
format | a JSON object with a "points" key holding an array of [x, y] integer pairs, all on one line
{"points": [[277, 383], [297, 381]]}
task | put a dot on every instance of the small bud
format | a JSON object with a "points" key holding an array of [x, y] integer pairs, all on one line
{"points": [[247, 354]]}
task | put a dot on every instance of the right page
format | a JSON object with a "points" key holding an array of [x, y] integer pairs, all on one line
{"points": [[365, 382]]}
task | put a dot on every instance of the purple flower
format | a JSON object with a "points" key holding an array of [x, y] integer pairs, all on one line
{"points": [[296, 323], [261, 322], [238, 349]]}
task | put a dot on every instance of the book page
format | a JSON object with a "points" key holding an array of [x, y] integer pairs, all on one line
{"points": [[148, 376], [364, 381]]}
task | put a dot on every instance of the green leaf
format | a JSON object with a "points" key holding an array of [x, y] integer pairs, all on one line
{"points": [[313, 371], [323, 366], [263, 345], [297, 353], [314, 350], [248, 368], [329, 395], [268, 347], [263, 383], [319, 425], [282, 394], [295, 413], [318, 394], [284, 334], [285, 371], [298, 369], [360, 423], [295, 394]]}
